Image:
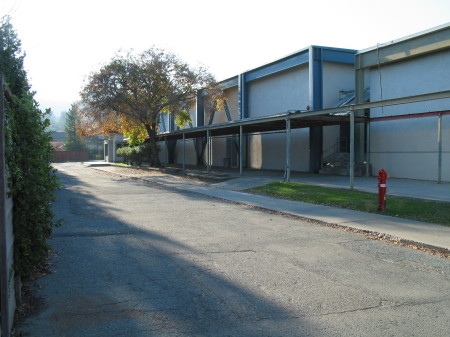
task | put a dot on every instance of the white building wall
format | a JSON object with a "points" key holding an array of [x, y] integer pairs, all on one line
{"points": [[268, 151], [232, 102], [336, 77], [278, 93], [415, 76], [190, 154], [219, 144], [162, 152], [193, 116], [446, 148], [409, 148], [275, 94]]}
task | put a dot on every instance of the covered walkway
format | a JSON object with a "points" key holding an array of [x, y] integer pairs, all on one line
{"points": [[350, 114]]}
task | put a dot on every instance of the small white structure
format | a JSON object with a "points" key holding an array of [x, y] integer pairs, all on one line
{"points": [[110, 146]]}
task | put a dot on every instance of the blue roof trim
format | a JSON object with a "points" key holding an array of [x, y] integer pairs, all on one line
{"points": [[277, 66], [339, 56], [329, 54], [230, 82]]}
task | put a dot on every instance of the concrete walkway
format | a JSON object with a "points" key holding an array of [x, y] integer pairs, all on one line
{"points": [[410, 230]]}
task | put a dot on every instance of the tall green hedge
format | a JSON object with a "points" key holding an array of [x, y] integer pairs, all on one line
{"points": [[32, 180]]}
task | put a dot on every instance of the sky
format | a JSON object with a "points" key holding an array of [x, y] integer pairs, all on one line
{"points": [[66, 40]]}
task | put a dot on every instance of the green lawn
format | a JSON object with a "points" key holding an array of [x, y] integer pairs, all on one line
{"points": [[428, 211]]}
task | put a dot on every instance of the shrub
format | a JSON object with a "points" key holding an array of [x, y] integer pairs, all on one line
{"points": [[31, 182], [133, 154]]}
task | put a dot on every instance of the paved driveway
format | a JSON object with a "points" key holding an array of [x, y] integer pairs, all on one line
{"points": [[140, 260]]}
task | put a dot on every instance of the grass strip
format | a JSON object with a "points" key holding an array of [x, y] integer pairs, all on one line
{"points": [[427, 211]]}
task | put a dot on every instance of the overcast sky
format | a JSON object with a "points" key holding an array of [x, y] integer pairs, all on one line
{"points": [[65, 40]]}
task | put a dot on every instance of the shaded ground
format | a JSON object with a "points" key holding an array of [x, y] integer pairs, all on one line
{"points": [[140, 260]]}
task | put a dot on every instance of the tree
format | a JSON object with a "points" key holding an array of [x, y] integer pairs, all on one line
{"points": [[11, 57], [73, 140], [57, 123], [133, 91], [31, 180]]}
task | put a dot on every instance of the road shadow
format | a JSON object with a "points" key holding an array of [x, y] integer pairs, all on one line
{"points": [[112, 277]]}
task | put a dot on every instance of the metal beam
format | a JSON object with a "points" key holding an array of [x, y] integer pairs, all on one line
{"points": [[208, 146], [338, 55], [440, 149], [241, 148], [242, 97], [184, 152], [200, 109], [411, 116], [316, 103], [368, 173], [211, 117], [227, 111], [288, 148], [229, 83], [167, 151], [352, 150], [328, 111]]}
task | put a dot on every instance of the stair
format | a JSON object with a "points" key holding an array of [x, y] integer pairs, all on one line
{"points": [[336, 164], [339, 163]]}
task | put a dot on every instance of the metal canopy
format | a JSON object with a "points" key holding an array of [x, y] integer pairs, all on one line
{"points": [[263, 125], [299, 119]]}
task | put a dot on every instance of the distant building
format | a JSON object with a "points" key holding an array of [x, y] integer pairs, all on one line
{"points": [[110, 146], [58, 140]]}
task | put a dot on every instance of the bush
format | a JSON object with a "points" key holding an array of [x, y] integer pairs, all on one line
{"points": [[133, 154], [31, 182]]}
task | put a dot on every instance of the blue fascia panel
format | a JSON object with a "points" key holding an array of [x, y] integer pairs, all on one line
{"points": [[242, 96], [330, 55], [342, 50], [230, 82], [316, 78], [277, 66]]}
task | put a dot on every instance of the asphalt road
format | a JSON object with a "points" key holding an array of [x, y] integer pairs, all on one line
{"points": [[135, 259]]}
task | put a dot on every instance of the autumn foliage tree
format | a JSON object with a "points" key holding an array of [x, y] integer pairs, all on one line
{"points": [[132, 91]]}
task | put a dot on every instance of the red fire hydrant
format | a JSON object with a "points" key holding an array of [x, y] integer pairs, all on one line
{"points": [[382, 188]]}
